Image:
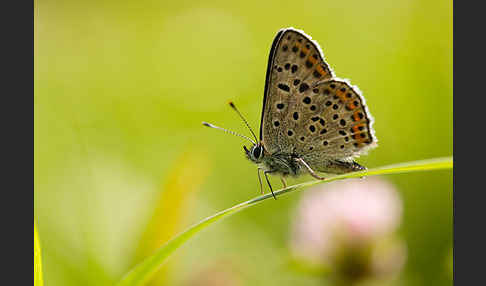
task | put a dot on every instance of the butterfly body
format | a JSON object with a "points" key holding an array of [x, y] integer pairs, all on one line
{"points": [[287, 164], [283, 164]]}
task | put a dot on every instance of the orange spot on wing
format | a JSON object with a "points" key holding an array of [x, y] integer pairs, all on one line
{"points": [[360, 139], [342, 95], [312, 60], [357, 137], [357, 133], [321, 70], [351, 106]]}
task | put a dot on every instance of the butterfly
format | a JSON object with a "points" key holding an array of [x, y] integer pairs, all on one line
{"points": [[311, 121]]}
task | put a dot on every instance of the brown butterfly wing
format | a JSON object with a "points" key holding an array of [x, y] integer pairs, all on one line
{"points": [[295, 65], [340, 127]]}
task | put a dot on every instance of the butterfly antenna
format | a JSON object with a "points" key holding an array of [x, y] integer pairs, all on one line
{"points": [[244, 120], [228, 131]]}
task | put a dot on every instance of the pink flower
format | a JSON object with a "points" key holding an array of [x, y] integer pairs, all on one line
{"points": [[350, 218]]}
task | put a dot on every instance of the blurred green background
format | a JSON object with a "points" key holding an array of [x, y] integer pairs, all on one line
{"points": [[122, 162]]}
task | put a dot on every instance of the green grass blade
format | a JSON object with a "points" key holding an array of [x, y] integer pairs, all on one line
{"points": [[37, 260], [144, 270]]}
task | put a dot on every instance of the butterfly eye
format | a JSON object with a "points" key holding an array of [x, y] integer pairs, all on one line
{"points": [[256, 152]]}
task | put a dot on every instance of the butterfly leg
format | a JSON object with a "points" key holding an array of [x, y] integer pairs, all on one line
{"points": [[260, 180], [268, 182], [309, 169], [283, 182]]}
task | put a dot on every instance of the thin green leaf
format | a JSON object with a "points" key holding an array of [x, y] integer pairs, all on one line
{"points": [[144, 270], [37, 260]]}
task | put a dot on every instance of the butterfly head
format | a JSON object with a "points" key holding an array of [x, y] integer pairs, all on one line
{"points": [[255, 153]]}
